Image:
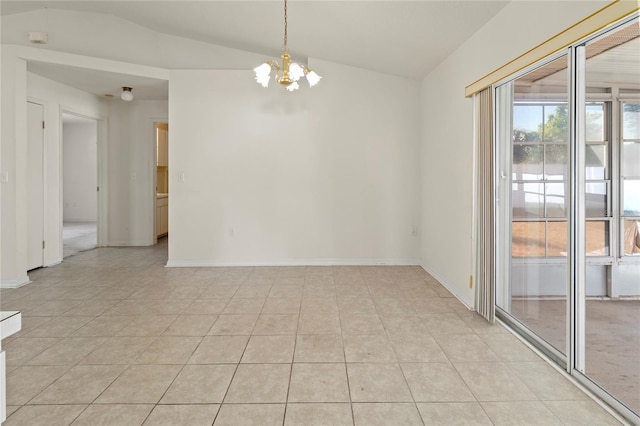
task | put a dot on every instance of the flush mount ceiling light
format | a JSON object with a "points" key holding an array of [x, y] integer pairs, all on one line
{"points": [[288, 73], [127, 94]]}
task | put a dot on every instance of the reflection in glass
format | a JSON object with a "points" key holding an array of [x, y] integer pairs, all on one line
{"points": [[556, 123], [596, 162], [596, 199], [555, 157], [631, 159], [631, 197], [527, 122], [631, 121], [527, 239], [595, 123], [556, 202], [527, 200], [527, 162], [557, 239], [632, 237], [597, 237]]}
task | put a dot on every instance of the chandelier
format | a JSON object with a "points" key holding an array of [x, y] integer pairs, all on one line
{"points": [[288, 73]]}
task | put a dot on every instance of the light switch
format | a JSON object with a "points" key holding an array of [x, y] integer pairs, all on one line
{"points": [[181, 177]]}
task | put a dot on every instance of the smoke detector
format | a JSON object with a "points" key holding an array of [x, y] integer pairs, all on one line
{"points": [[38, 37]]}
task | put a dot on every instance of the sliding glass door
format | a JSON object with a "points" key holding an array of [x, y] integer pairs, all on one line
{"points": [[567, 208]]}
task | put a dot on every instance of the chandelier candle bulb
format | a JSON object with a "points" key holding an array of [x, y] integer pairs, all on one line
{"points": [[291, 71]]}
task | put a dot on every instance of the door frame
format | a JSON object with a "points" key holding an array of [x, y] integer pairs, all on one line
{"points": [[154, 175], [102, 197], [45, 229]]}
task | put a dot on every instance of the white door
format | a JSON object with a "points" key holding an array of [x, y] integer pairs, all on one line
{"points": [[35, 186]]}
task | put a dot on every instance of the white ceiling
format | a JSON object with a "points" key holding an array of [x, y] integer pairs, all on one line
{"points": [[405, 38]]}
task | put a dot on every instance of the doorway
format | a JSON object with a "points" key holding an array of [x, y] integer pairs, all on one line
{"points": [[161, 133], [35, 186], [80, 184]]}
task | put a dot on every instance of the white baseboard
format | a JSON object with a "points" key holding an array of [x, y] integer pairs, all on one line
{"points": [[134, 243], [455, 291], [17, 283], [307, 262], [54, 262]]}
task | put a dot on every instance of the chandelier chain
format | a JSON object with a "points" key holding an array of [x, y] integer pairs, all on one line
{"points": [[285, 25]]}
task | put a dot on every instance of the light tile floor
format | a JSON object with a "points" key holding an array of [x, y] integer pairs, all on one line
{"points": [[78, 237], [112, 337]]}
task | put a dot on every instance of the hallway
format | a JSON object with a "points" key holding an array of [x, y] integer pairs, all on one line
{"points": [[111, 336]]}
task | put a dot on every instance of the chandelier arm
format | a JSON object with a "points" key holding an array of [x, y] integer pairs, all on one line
{"points": [[285, 26]]}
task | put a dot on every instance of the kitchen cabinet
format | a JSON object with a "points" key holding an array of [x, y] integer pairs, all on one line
{"points": [[162, 215]]}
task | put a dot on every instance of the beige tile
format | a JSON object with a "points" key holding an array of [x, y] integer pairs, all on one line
{"points": [[445, 323], [250, 415], [12, 409], [53, 308], [192, 415], [103, 326], [453, 413], [81, 384], [319, 323], [219, 350], [220, 292], [244, 306], [384, 414], [68, 351], [396, 323], [318, 383], [580, 413], [200, 384], [520, 412], [118, 350], [29, 323], [546, 382], [113, 414], [319, 348], [140, 384], [191, 325], [417, 348], [281, 305], [91, 308], [436, 382], [259, 383], [319, 305], [428, 306], [236, 325], [169, 350], [493, 381], [377, 383], [356, 305], [465, 348], [286, 291], [353, 290], [206, 306], [368, 348], [318, 414], [480, 325], [20, 350], [24, 383], [269, 349], [401, 306], [59, 327], [252, 292], [147, 325], [269, 324], [44, 415], [508, 347], [361, 324]]}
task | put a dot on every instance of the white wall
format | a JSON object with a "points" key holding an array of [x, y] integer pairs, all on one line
{"points": [[447, 130], [324, 175], [132, 170], [80, 171]]}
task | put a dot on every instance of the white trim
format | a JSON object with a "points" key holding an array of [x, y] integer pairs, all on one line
{"points": [[291, 262], [54, 262], [464, 299], [14, 283], [134, 243]]}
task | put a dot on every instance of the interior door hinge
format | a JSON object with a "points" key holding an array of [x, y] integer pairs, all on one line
{"points": [[43, 245], [43, 124], [98, 189]]}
